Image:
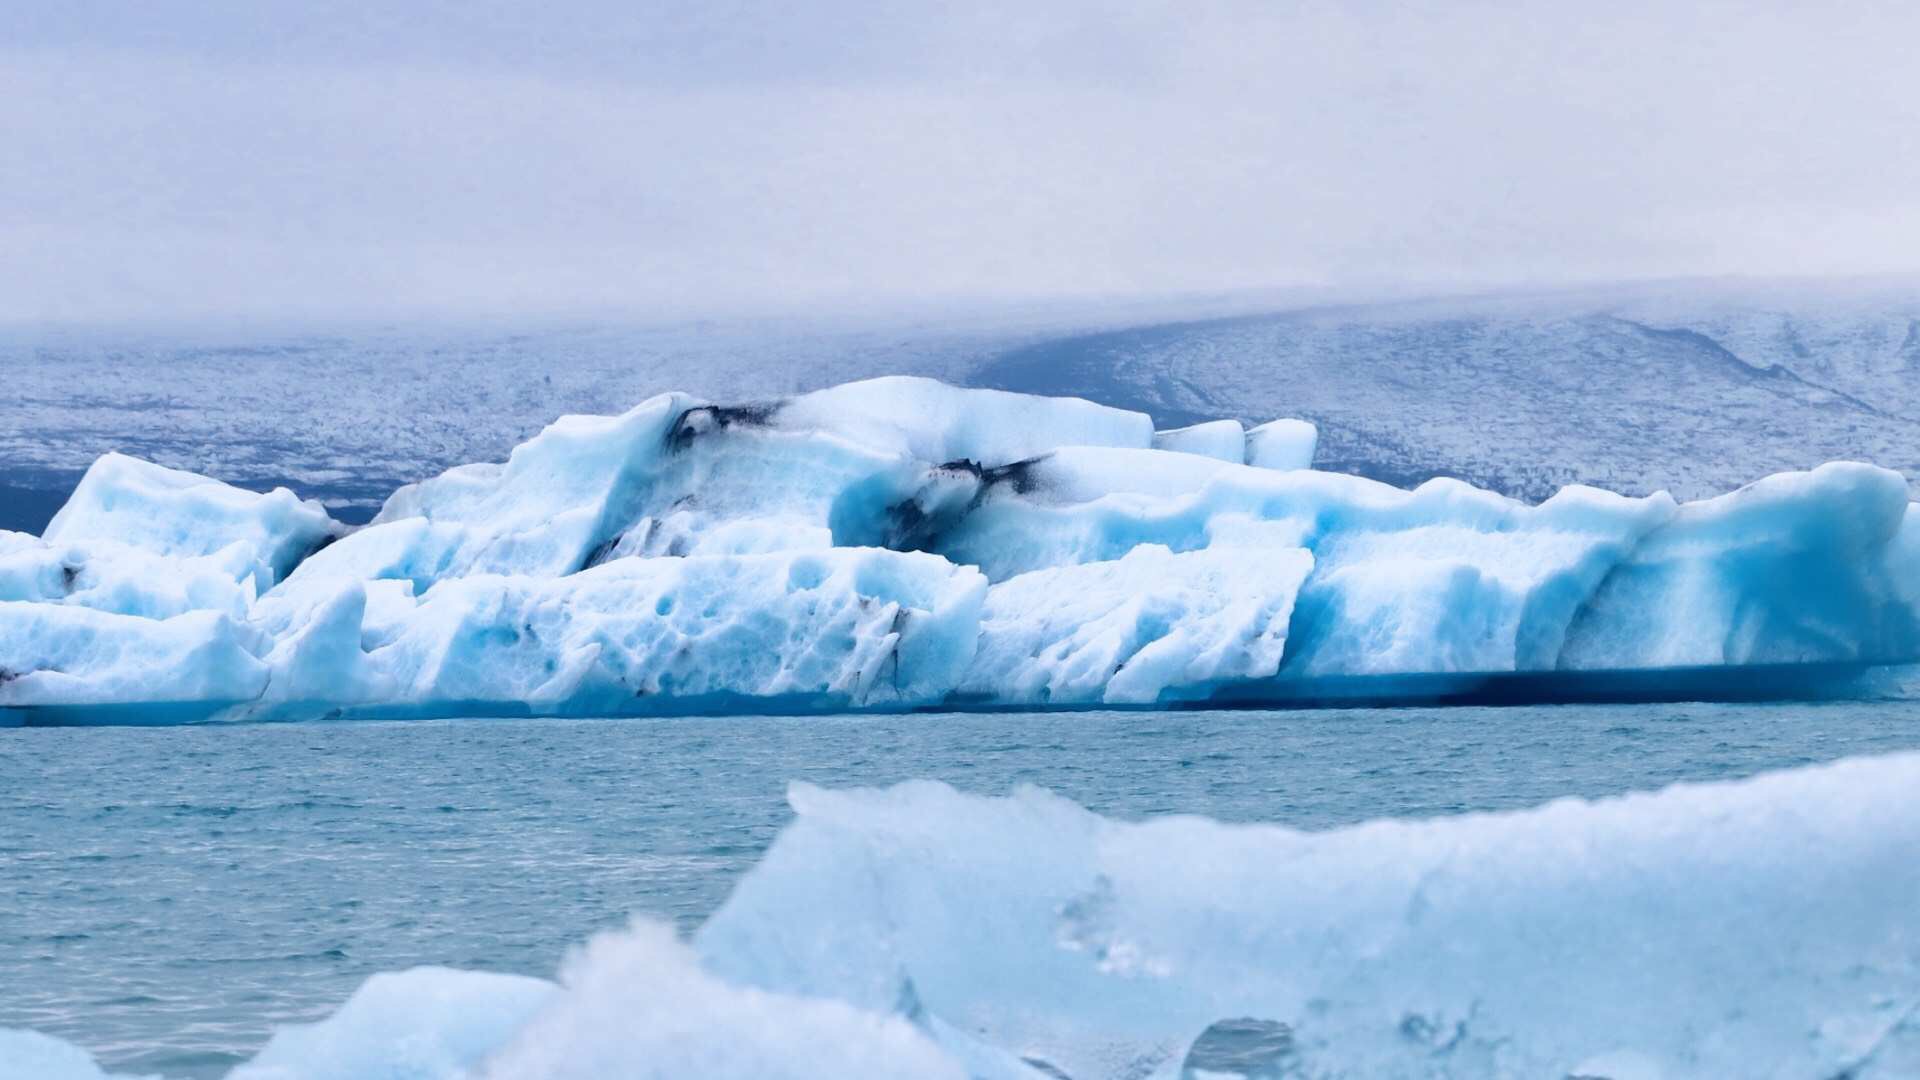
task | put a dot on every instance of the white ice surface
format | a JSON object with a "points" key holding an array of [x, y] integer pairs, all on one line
{"points": [[53, 654], [547, 507], [1282, 444], [169, 512], [832, 629], [1082, 473], [1139, 630], [638, 1004], [936, 423], [108, 575], [1758, 929], [1224, 440], [674, 476], [425, 1023], [839, 629]]}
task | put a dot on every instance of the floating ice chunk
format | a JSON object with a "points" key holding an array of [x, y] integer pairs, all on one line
{"points": [[936, 423], [558, 496], [637, 1004], [1282, 444], [55, 654], [1151, 625], [426, 1023], [1758, 928], [170, 512], [1222, 439]]}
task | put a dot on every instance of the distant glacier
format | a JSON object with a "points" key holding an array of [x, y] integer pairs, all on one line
{"points": [[900, 544]]}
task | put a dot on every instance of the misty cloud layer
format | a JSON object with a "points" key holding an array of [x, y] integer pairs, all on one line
{"points": [[178, 160]]}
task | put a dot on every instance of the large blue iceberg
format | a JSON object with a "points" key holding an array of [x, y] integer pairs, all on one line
{"points": [[1763, 928], [903, 544]]}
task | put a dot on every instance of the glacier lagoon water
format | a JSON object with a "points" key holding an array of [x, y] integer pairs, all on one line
{"points": [[167, 895]]}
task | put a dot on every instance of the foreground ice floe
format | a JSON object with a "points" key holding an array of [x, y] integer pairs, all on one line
{"points": [[1756, 929], [900, 543], [1762, 928]]}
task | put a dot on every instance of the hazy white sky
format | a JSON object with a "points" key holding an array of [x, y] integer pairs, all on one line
{"points": [[351, 157]]}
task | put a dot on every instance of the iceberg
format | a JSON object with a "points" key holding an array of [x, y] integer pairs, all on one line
{"points": [[1754, 928], [903, 544]]}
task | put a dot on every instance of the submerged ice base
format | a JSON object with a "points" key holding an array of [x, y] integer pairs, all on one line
{"points": [[902, 544], [1760, 928]]}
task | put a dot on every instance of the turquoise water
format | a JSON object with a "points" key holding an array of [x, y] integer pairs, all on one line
{"points": [[166, 895]]}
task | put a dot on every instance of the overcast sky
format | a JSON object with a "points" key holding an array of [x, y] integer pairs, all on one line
{"points": [[351, 157]]}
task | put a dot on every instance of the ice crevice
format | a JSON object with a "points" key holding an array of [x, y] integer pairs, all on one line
{"points": [[903, 544]]}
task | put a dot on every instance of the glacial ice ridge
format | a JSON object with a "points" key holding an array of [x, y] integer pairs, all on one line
{"points": [[903, 544], [1759, 928]]}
